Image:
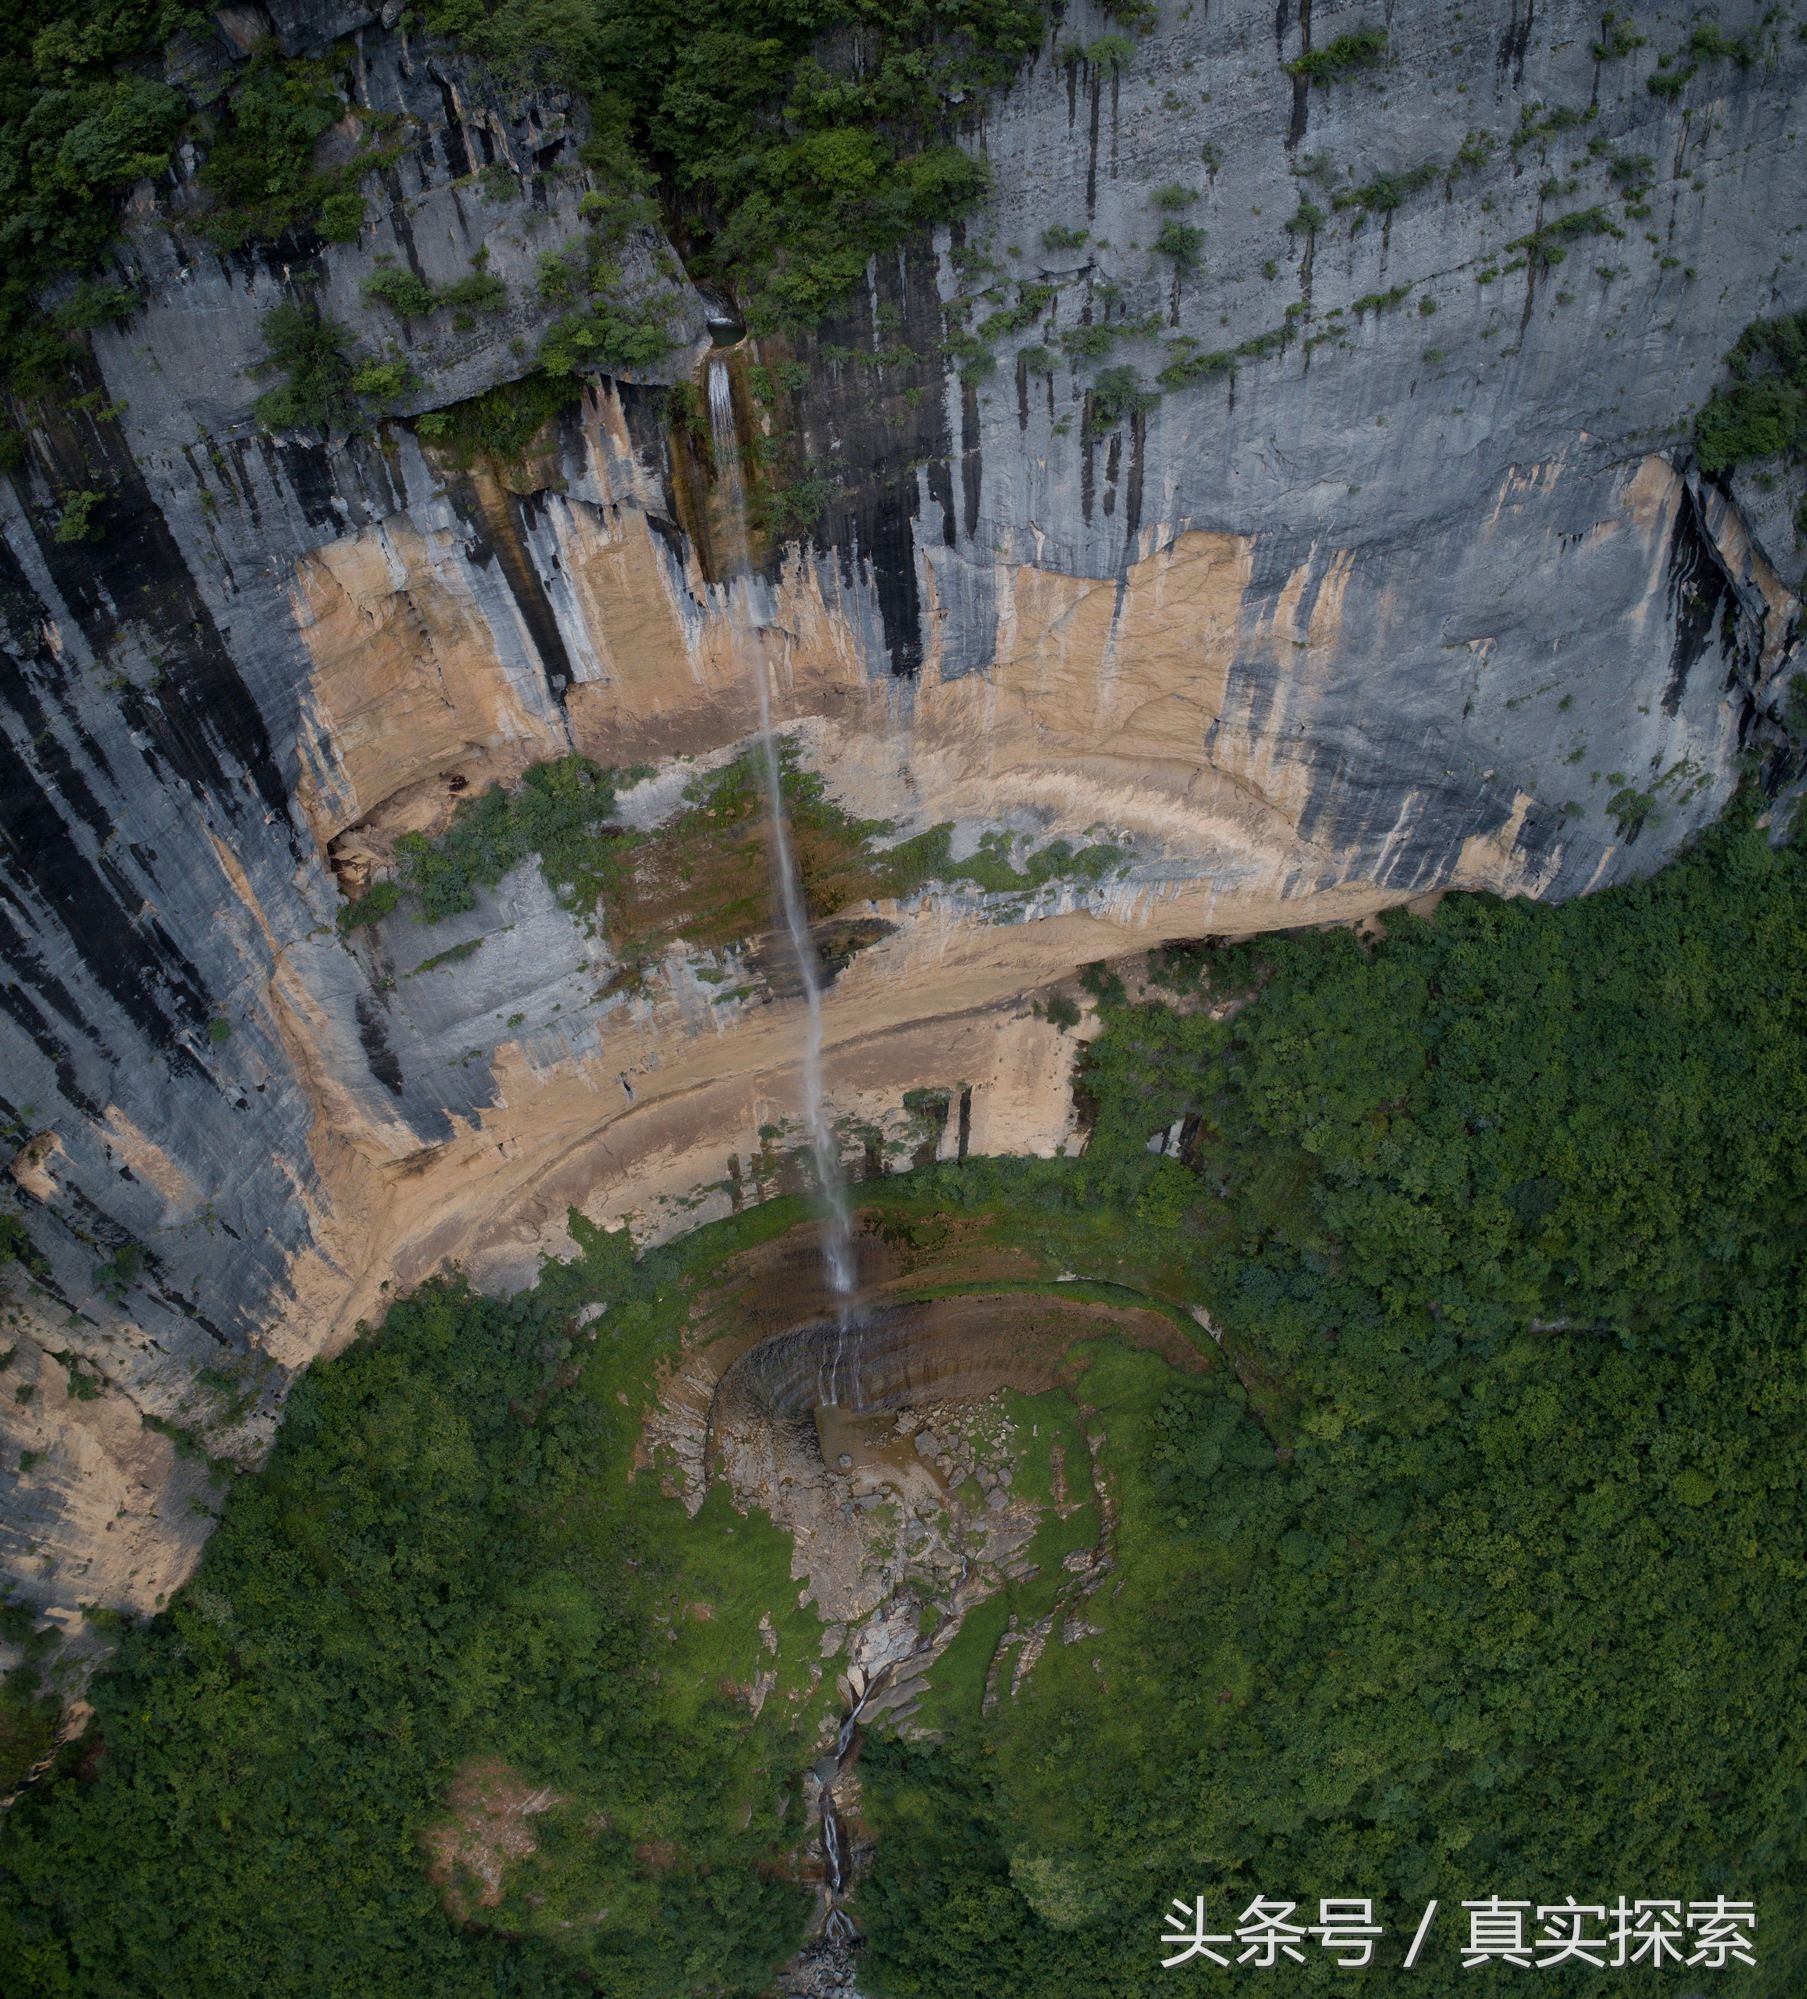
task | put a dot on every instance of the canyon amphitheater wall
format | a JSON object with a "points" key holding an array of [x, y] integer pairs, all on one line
{"points": [[1398, 595]]}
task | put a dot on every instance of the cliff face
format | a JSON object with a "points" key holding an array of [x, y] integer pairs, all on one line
{"points": [[1417, 591]]}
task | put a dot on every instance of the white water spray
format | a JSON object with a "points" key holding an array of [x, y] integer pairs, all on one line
{"points": [[837, 1226]]}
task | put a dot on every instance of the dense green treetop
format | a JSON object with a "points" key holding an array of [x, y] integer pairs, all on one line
{"points": [[1489, 1583], [783, 165], [1761, 412], [80, 121]]}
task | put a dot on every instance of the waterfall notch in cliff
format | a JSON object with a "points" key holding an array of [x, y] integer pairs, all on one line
{"points": [[837, 1226]]}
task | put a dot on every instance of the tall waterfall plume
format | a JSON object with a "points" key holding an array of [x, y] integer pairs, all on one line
{"points": [[837, 1226]]}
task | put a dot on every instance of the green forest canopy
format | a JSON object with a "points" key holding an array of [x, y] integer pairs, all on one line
{"points": [[1479, 1574], [1488, 1585], [1761, 412], [786, 175]]}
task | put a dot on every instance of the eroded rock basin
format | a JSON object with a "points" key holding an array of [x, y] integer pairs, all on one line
{"points": [[884, 1357], [925, 1451], [825, 1420]]}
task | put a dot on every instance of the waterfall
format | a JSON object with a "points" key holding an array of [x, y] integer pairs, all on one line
{"points": [[837, 1852], [834, 1845], [734, 561], [837, 1226]]}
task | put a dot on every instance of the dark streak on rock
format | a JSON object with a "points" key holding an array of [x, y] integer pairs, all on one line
{"points": [[384, 1065], [199, 716], [402, 222], [19, 697], [1091, 163], [1697, 590], [1132, 499], [497, 532], [891, 551], [305, 467], [525, 512], [1087, 469], [671, 537], [941, 491], [647, 415], [136, 965], [882, 428], [1250, 697], [454, 145], [1301, 105], [16, 950], [971, 464], [1516, 41]]}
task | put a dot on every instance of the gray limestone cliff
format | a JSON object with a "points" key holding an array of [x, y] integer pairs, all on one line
{"points": [[1405, 579]]}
